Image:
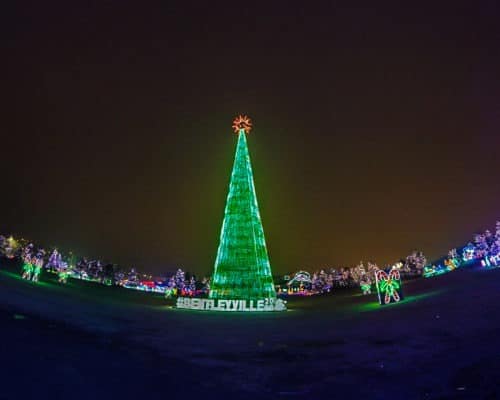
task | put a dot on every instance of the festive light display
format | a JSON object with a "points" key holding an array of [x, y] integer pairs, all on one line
{"points": [[37, 264], [242, 122], [451, 264], [55, 261], [27, 269], [468, 253], [495, 260], [242, 268], [388, 286], [433, 270], [12, 246], [300, 285], [366, 288], [365, 284], [261, 305], [491, 261], [301, 277]]}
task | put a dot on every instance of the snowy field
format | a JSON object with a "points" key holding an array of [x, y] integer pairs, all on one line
{"points": [[84, 341]]}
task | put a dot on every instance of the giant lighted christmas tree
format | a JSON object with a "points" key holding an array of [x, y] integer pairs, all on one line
{"points": [[242, 269]]}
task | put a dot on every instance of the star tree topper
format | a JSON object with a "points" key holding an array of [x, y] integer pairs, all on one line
{"points": [[242, 122]]}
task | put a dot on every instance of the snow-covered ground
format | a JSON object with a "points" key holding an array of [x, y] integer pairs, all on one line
{"points": [[85, 341]]}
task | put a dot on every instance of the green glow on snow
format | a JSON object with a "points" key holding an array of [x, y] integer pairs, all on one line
{"points": [[242, 268], [375, 306]]}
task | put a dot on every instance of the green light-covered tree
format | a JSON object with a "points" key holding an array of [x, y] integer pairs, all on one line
{"points": [[242, 268]]}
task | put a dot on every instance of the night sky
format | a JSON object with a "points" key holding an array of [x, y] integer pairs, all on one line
{"points": [[376, 128]]}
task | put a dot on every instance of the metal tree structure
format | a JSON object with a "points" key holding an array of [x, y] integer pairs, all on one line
{"points": [[242, 268]]}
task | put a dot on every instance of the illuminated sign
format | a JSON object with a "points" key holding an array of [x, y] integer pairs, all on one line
{"points": [[231, 305]]}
